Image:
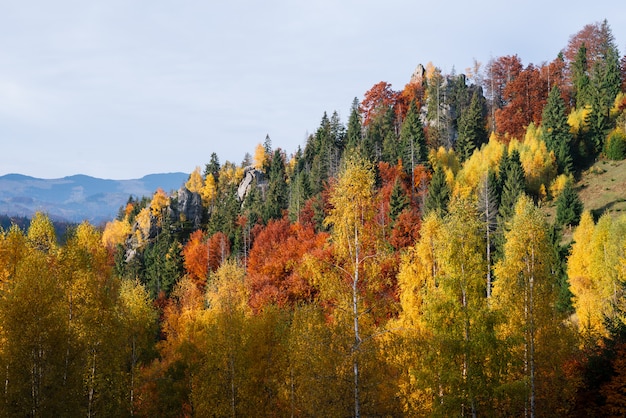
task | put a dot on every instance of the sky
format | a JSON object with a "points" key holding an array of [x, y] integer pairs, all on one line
{"points": [[119, 89]]}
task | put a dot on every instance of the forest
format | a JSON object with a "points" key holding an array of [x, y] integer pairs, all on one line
{"points": [[429, 257]]}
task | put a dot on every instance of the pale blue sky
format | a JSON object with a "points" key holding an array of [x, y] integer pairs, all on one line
{"points": [[120, 89]]}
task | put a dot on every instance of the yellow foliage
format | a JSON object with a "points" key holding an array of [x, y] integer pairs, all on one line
{"points": [[227, 292], [260, 157], [143, 222], [352, 202], [448, 161], [539, 164], [476, 167], [194, 184], [158, 203], [578, 118], [41, 234], [595, 270], [559, 183], [209, 190], [116, 232], [230, 175]]}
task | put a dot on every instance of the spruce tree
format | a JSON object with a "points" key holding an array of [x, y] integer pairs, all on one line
{"points": [[412, 147], [353, 133], [276, 198], [556, 131], [471, 127], [398, 201], [580, 76], [512, 186], [438, 194], [569, 207]]}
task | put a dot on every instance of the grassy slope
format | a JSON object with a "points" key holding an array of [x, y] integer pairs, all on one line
{"points": [[602, 188]]}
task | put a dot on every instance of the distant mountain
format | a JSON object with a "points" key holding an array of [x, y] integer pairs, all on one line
{"points": [[78, 198]]}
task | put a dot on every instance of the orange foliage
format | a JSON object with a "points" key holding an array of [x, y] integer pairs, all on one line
{"points": [[219, 250], [273, 273], [525, 98], [412, 92], [377, 100], [196, 258], [406, 229]]}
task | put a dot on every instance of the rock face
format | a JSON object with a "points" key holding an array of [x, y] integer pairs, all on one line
{"points": [[250, 175], [188, 207], [418, 74], [184, 206]]}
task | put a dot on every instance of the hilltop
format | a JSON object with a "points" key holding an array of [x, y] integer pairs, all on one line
{"points": [[77, 198]]}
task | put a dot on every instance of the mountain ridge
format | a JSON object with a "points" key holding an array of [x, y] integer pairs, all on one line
{"points": [[78, 197]]}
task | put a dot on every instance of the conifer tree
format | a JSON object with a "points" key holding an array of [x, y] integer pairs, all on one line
{"points": [[412, 147], [580, 75], [398, 201], [438, 194], [569, 207], [276, 198], [556, 131], [353, 133], [471, 126]]}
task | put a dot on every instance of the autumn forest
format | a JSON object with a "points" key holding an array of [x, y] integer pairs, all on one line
{"points": [[430, 256]]}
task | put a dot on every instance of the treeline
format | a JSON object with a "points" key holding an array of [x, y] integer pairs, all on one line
{"points": [[398, 265]]}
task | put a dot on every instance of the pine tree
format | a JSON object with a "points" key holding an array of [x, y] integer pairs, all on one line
{"points": [[438, 194], [472, 132], [556, 131], [569, 207]]}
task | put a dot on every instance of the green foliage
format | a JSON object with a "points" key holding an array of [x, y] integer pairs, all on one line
{"points": [[472, 132], [556, 131], [398, 200], [276, 197], [438, 194], [569, 207], [412, 147], [615, 145]]}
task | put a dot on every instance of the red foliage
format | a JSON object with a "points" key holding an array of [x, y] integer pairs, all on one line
{"points": [[498, 74], [525, 97], [406, 229], [593, 36], [377, 100], [273, 274]]}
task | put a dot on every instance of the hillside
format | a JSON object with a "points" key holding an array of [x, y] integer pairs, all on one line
{"points": [[77, 198]]}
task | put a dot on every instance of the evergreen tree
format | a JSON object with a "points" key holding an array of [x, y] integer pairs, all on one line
{"points": [[412, 147], [604, 87], [512, 186], [569, 207], [438, 194], [276, 198], [398, 201], [556, 131], [471, 126], [580, 76], [353, 133], [213, 167]]}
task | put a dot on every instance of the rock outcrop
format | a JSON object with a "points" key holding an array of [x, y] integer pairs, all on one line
{"points": [[251, 176]]}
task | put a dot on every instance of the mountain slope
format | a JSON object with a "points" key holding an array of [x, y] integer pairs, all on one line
{"points": [[77, 198]]}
